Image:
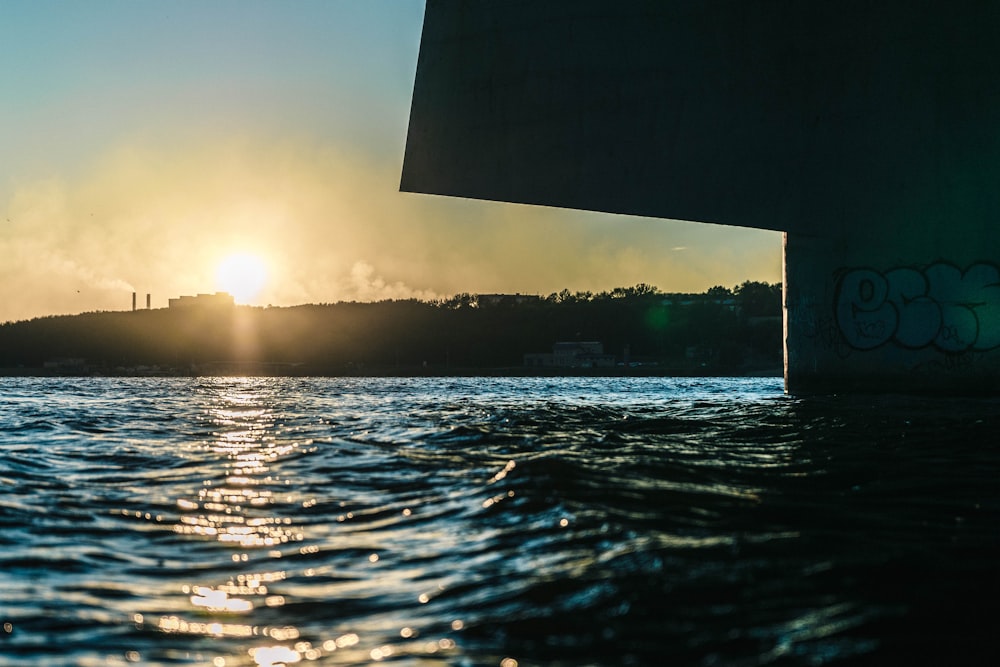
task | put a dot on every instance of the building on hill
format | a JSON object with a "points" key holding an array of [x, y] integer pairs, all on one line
{"points": [[498, 299], [217, 300]]}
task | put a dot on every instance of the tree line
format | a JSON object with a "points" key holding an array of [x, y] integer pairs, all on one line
{"points": [[724, 330]]}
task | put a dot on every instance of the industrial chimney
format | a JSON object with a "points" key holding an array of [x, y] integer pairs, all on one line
{"points": [[148, 295], [133, 302]]}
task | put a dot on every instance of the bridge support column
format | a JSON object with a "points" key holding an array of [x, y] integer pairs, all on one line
{"points": [[888, 308]]}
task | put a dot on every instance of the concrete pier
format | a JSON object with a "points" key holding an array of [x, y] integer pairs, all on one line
{"points": [[867, 132], [886, 310]]}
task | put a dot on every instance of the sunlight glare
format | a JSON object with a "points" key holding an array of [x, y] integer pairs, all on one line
{"points": [[243, 275]]}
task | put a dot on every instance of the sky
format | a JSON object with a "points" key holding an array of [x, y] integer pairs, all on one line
{"points": [[194, 146]]}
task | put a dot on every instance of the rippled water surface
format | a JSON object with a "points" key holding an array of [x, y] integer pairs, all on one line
{"points": [[484, 521]]}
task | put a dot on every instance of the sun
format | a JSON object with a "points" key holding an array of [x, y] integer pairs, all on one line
{"points": [[243, 275]]}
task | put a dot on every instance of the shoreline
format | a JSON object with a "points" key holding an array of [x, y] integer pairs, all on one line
{"points": [[289, 370]]}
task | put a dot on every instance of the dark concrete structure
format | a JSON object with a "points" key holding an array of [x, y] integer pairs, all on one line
{"points": [[869, 132]]}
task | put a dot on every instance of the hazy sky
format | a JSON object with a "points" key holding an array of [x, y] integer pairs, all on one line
{"points": [[144, 142]]}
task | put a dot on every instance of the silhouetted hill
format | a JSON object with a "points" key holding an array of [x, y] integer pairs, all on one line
{"points": [[721, 331]]}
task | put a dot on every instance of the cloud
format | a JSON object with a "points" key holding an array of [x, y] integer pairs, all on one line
{"points": [[367, 286]]}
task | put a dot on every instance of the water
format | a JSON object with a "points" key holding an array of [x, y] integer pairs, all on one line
{"points": [[474, 521]]}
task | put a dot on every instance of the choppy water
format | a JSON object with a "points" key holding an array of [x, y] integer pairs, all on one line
{"points": [[478, 521]]}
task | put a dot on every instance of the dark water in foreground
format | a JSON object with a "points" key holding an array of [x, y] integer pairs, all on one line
{"points": [[493, 522]]}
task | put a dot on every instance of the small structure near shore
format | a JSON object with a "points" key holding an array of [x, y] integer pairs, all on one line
{"points": [[585, 354]]}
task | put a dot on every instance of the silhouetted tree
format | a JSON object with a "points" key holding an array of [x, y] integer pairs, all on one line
{"points": [[719, 292], [758, 299]]}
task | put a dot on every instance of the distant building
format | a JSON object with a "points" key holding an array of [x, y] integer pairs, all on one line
{"points": [[217, 300], [497, 299], [586, 354], [694, 299], [71, 365]]}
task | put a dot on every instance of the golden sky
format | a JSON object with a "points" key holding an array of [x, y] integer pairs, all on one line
{"points": [[143, 143]]}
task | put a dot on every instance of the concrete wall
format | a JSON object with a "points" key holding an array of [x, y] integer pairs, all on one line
{"points": [[868, 131], [911, 308]]}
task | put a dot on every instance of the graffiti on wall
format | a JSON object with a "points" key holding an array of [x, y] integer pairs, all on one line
{"points": [[804, 317], [939, 305]]}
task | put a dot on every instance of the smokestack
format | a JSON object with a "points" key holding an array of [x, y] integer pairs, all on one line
{"points": [[147, 300], [133, 302]]}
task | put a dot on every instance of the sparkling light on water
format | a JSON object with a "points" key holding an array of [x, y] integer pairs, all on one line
{"points": [[488, 521]]}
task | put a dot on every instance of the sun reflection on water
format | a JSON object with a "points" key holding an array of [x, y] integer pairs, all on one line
{"points": [[247, 510], [239, 506], [245, 441]]}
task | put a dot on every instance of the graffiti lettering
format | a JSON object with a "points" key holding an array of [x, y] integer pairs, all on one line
{"points": [[829, 337], [941, 305], [949, 363], [804, 317]]}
